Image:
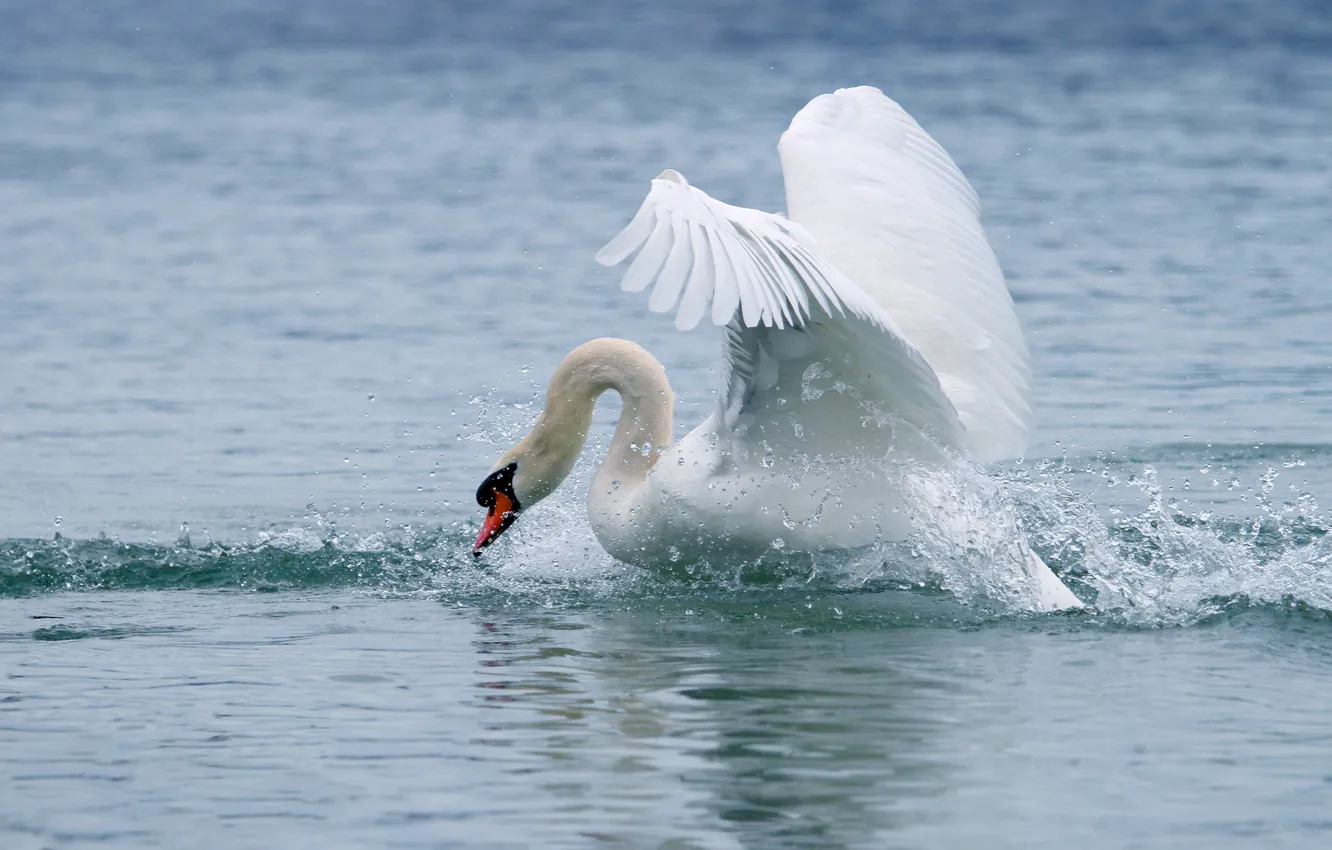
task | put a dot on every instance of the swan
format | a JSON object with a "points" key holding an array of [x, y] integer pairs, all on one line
{"points": [[866, 334]]}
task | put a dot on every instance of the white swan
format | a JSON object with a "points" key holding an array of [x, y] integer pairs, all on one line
{"points": [[865, 336]]}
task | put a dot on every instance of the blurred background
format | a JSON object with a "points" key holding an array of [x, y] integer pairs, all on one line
{"points": [[262, 260]]}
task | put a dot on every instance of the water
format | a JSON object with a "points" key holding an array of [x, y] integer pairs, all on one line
{"points": [[279, 283]]}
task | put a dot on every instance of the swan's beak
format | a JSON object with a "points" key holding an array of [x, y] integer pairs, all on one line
{"points": [[496, 495], [502, 513]]}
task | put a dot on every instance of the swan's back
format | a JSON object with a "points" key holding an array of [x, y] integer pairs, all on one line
{"points": [[892, 211]]}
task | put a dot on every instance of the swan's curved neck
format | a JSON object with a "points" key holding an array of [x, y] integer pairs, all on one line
{"points": [[546, 456]]}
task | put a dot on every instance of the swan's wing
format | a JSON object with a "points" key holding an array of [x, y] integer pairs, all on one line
{"points": [[807, 353], [891, 211], [695, 252]]}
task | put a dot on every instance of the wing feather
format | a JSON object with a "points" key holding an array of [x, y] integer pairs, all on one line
{"points": [[645, 267], [726, 290], [804, 264], [671, 280], [786, 311], [694, 302], [891, 210], [760, 264], [631, 238], [748, 290], [767, 292]]}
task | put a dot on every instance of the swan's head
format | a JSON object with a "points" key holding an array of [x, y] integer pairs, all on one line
{"points": [[531, 470], [498, 496], [527, 474]]}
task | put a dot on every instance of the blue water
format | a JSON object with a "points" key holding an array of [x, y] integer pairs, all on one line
{"points": [[280, 280]]}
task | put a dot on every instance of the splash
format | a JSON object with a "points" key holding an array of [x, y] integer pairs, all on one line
{"points": [[1167, 563], [969, 533], [1160, 563]]}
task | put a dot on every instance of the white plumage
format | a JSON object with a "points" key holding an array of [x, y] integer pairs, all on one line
{"points": [[883, 229], [866, 336]]}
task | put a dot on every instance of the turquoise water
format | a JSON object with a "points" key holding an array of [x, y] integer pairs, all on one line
{"points": [[280, 282]]}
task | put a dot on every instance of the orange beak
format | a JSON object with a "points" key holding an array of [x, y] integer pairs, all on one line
{"points": [[500, 516]]}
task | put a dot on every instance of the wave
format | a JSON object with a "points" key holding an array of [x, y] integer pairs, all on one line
{"points": [[1159, 567], [292, 560], [1162, 563]]}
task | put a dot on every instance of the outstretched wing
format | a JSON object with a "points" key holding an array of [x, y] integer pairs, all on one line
{"points": [[696, 251], [797, 329], [892, 211]]}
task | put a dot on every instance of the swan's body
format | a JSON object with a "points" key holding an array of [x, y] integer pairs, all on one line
{"points": [[866, 337]]}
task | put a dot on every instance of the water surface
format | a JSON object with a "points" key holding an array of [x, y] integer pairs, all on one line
{"points": [[280, 282]]}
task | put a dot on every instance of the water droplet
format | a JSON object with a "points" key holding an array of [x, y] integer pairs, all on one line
{"points": [[615, 485], [369, 396], [673, 553], [809, 392], [59, 520]]}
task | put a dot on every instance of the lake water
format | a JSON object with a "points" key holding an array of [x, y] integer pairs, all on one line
{"points": [[280, 281]]}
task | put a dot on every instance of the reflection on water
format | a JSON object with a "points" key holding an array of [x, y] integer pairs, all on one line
{"points": [[606, 758], [721, 728], [819, 720]]}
